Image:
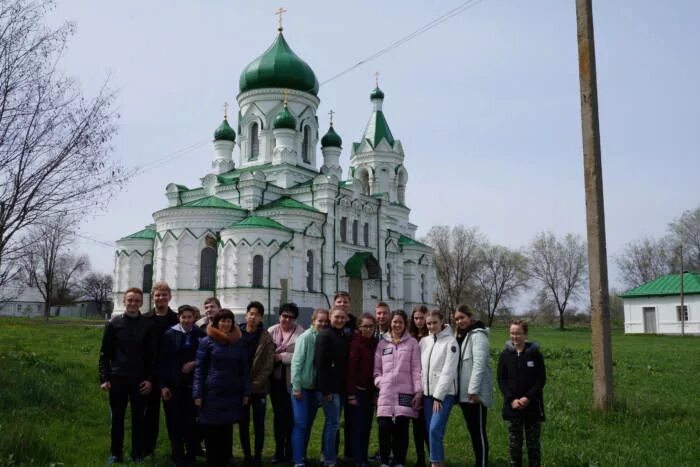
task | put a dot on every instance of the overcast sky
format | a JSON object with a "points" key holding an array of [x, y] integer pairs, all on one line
{"points": [[485, 104]]}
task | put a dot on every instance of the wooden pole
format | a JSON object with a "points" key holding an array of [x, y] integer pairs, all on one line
{"points": [[595, 212]]}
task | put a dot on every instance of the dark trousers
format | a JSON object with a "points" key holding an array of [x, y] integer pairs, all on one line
{"points": [[475, 416], [125, 391], [393, 437], [184, 430], [257, 406], [532, 430], [152, 419], [360, 416], [218, 440], [420, 436], [349, 434], [282, 419]]}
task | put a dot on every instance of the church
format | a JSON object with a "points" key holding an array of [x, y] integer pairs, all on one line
{"points": [[274, 227]]}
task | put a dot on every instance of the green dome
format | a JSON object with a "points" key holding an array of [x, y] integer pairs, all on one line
{"points": [[331, 139], [284, 119], [225, 132], [377, 94], [279, 67]]}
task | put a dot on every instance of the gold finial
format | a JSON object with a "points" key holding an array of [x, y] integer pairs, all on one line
{"points": [[376, 79], [279, 13], [331, 113], [225, 110], [285, 96]]}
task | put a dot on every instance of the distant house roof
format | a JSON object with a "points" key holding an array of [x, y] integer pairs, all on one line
{"points": [[667, 285], [22, 294]]}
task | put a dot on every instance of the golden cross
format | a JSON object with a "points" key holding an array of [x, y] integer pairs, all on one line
{"points": [[225, 110], [285, 93], [376, 78], [331, 114], [279, 13]]}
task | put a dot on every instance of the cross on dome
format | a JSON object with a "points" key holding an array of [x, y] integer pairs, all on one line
{"points": [[280, 11], [225, 110], [331, 113]]}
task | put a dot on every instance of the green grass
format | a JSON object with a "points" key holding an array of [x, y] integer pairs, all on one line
{"points": [[52, 412]]}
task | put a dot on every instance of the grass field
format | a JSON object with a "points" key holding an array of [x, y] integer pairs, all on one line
{"points": [[52, 412]]}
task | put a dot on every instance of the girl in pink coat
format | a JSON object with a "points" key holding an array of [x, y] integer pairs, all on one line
{"points": [[397, 371]]}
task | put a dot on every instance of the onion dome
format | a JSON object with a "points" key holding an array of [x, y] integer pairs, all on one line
{"points": [[225, 132], [284, 119], [377, 94], [331, 139], [279, 67]]}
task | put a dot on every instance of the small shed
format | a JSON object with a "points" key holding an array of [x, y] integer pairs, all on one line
{"points": [[655, 306]]}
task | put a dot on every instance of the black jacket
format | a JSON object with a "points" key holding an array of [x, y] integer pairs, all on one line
{"points": [[177, 348], [519, 376], [330, 360], [129, 349]]}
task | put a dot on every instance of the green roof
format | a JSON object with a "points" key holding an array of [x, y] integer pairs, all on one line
{"points": [[225, 132], [331, 139], [145, 234], [353, 268], [377, 94], [279, 67], [289, 203], [667, 285], [210, 202], [378, 129], [404, 240], [251, 222], [284, 119]]}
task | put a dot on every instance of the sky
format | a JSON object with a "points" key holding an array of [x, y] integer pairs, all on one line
{"points": [[486, 104]]}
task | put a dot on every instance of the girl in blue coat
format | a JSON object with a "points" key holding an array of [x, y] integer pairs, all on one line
{"points": [[221, 385]]}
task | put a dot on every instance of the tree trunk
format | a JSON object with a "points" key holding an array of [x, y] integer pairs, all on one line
{"points": [[561, 320]]}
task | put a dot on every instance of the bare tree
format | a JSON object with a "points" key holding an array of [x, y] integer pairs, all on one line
{"points": [[500, 276], [644, 260], [559, 267], [98, 287], [686, 231], [54, 143], [456, 262]]}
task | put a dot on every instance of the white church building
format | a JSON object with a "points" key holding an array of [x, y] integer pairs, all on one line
{"points": [[272, 226]]}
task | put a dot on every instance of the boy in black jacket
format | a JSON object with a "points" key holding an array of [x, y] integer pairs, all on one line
{"points": [[127, 365]]}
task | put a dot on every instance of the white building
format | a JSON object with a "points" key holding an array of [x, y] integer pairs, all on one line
{"points": [[655, 307], [273, 226]]}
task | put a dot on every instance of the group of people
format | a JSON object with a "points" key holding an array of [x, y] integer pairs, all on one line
{"points": [[211, 373]]}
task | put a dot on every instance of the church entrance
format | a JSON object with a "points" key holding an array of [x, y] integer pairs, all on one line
{"points": [[356, 296], [360, 268]]}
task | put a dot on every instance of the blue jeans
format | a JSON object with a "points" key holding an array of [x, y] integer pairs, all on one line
{"points": [[304, 414], [436, 422], [331, 409]]}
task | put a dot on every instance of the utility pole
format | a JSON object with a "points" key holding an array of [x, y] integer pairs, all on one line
{"points": [[595, 211], [682, 293]]}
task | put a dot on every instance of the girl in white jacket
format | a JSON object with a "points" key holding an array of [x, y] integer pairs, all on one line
{"points": [[439, 356]]}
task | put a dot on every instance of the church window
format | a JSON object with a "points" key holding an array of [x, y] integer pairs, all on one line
{"points": [[147, 282], [254, 142], [343, 229], [207, 269], [422, 288], [257, 271], [389, 291], [310, 271], [365, 233], [305, 145], [354, 232]]}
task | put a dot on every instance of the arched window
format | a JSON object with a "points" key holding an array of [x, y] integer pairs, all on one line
{"points": [[207, 269], [364, 180], [354, 232], [254, 142], [422, 288], [305, 145], [147, 278], [343, 229], [257, 271], [310, 271], [365, 233], [389, 291]]}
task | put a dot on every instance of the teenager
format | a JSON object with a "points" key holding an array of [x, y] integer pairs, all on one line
{"points": [[397, 376], [127, 366], [330, 359], [221, 385], [419, 330], [303, 375], [474, 377], [176, 371], [341, 300], [439, 376], [284, 335], [383, 315], [163, 317], [261, 350], [212, 306], [521, 378], [360, 386]]}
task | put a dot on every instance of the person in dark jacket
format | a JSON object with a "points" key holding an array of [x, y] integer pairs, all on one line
{"points": [[176, 371], [261, 351], [163, 319], [360, 386], [330, 359], [418, 329], [126, 367], [521, 378], [221, 385]]}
